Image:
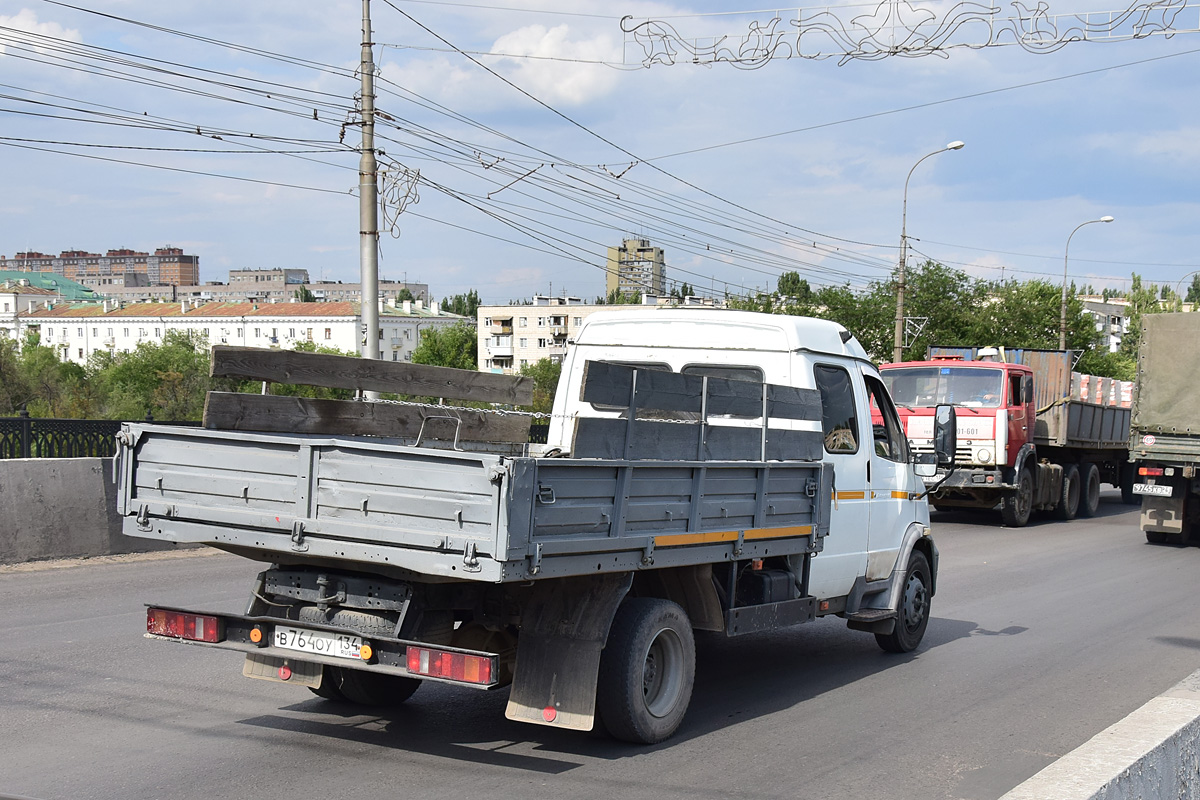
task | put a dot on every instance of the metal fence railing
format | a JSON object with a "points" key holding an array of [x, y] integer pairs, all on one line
{"points": [[24, 436]]}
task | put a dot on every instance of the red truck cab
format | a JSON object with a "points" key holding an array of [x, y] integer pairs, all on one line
{"points": [[994, 401]]}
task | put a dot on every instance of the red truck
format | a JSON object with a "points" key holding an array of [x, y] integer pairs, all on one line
{"points": [[1032, 434]]}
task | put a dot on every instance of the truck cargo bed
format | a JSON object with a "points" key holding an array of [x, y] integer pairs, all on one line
{"points": [[450, 514]]}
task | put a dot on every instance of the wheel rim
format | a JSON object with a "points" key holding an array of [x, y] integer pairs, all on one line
{"points": [[662, 673], [1025, 494], [916, 602]]}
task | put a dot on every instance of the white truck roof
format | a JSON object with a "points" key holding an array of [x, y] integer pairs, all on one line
{"points": [[703, 328]]}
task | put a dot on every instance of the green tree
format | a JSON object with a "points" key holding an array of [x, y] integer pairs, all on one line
{"points": [[465, 305], [303, 295], [1027, 314], [791, 285], [453, 346], [1143, 299], [618, 298], [1193, 292], [169, 379], [545, 374], [404, 294], [53, 387]]}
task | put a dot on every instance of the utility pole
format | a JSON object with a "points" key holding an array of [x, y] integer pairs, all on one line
{"points": [[368, 201]]}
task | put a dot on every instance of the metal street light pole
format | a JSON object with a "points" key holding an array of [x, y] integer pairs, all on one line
{"points": [[1062, 312], [898, 338]]}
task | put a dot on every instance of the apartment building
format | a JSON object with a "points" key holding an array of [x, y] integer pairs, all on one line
{"points": [[166, 266], [635, 266], [515, 336], [261, 285], [79, 330]]}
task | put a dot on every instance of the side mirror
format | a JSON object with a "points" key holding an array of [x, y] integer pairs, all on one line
{"points": [[945, 434], [925, 465]]}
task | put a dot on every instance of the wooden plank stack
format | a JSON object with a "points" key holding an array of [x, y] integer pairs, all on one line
{"points": [[274, 413]]}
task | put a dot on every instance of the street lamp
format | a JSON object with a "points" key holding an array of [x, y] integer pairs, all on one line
{"points": [[897, 346], [1062, 312]]}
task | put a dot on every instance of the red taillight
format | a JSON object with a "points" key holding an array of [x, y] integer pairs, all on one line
{"points": [[181, 625], [451, 666], [1151, 471]]}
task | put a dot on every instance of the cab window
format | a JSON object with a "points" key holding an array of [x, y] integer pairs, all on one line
{"points": [[886, 431], [839, 417]]}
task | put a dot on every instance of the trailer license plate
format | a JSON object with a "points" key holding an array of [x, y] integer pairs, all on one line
{"points": [[1154, 489], [341, 645]]}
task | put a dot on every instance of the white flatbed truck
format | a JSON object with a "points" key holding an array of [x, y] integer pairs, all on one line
{"points": [[705, 470]]}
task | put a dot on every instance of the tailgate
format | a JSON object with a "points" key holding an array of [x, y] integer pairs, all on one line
{"points": [[262, 494]]}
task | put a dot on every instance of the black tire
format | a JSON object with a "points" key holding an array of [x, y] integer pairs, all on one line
{"points": [[1156, 537], [329, 686], [1128, 478], [1015, 508], [373, 688], [913, 612], [647, 671], [1068, 498], [1089, 490]]}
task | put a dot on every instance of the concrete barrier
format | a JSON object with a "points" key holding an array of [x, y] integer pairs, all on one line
{"points": [[61, 508], [1152, 753]]}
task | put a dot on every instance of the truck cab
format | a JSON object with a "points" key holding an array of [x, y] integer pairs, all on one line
{"points": [[878, 514], [994, 401]]}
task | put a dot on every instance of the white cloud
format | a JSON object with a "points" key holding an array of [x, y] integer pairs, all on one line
{"points": [[542, 62], [27, 21], [1173, 148]]}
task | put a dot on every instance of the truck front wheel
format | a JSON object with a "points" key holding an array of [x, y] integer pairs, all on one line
{"points": [[912, 614], [1016, 507], [646, 671]]}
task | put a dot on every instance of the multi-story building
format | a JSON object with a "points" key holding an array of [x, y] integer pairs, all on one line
{"points": [[166, 266], [635, 266], [79, 330], [511, 337], [261, 285]]}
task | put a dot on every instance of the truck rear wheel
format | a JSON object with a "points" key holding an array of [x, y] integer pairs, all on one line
{"points": [[646, 671], [1016, 507], [1128, 478], [912, 615], [1089, 490], [1068, 499], [373, 688]]}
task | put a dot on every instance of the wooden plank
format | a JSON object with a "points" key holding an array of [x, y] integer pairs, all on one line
{"points": [[347, 372], [258, 412]]}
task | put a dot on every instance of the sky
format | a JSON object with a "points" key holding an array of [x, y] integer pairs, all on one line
{"points": [[521, 138]]}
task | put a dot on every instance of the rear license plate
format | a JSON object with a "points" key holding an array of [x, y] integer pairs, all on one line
{"points": [[341, 645], [1154, 489]]}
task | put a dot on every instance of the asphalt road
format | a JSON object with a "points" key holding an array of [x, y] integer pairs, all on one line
{"points": [[1041, 637]]}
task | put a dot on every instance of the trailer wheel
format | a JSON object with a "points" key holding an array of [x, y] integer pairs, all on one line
{"points": [[1016, 507], [912, 615], [1156, 537], [646, 670], [373, 688], [1089, 491], [1068, 500]]}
